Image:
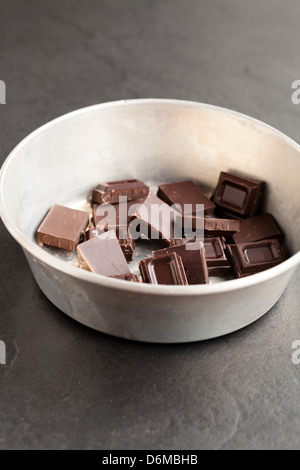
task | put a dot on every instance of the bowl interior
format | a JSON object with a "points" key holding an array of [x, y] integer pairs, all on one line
{"points": [[154, 140]]}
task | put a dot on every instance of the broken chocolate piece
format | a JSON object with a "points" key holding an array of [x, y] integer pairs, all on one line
{"points": [[259, 227], [193, 260], [155, 219], [237, 197], [62, 227], [127, 244], [103, 255], [164, 269], [251, 258], [183, 193], [109, 193], [126, 277], [221, 227], [217, 262], [211, 226]]}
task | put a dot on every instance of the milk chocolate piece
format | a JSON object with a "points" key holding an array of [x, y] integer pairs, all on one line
{"points": [[127, 244], [126, 277], [109, 193], [155, 218], [193, 260], [217, 262], [260, 227], [103, 255], [185, 192], [237, 197], [163, 269], [62, 227], [251, 258]]}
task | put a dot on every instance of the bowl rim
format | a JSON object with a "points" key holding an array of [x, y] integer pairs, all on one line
{"points": [[150, 289]]}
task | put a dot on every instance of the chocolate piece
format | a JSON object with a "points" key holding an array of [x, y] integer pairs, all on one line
{"points": [[155, 219], [260, 227], [237, 197], [185, 192], [221, 227], [62, 227], [103, 255], [212, 227], [126, 277], [164, 269], [193, 260], [127, 244], [109, 193], [217, 262], [251, 258]]}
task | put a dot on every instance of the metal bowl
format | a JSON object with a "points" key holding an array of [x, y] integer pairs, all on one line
{"points": [[157, 141]]}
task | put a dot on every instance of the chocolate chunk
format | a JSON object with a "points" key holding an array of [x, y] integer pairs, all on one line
{"points": [[211, 226], [126, 277], [163, 269], [103, 255], [185, 192], [109, 193], [155, 219], [127, 244], [260, 227], [221, 227], [251, 258], [62, 227], [193, 260], [217, 262], [237, 197]]}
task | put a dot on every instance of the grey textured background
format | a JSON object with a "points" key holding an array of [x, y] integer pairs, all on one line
{"points": [[66, 386]]}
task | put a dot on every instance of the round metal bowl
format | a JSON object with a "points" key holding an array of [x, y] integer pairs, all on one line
{"points": [[157, 141]]}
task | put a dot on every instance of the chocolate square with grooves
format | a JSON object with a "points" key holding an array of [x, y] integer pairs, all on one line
{"points": [[194, 261], [251, 258], [236, 196], [163, 269]]}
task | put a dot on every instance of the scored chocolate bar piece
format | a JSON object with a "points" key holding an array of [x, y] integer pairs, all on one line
{"points": [[251, 258], [217, 262], [185, 192], [193, 260], [126, 277], [127, 244], [259, 227], [212, 227], [221, 227], [237, 197], [163, 269], [155, 219], [62, 227], [103, 255], [109, 193]]}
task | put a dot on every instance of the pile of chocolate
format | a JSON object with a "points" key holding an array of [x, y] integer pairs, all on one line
{"points": [[236, 239]]}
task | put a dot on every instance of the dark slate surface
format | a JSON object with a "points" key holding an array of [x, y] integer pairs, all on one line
{"points": [[66, 386]]}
